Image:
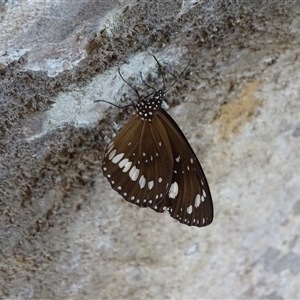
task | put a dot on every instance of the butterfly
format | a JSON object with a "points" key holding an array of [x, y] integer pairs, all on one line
{"points": [[150, 163]]}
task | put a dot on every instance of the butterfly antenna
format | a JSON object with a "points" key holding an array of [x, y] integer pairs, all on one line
{"points": [[136, 91], [115, 105], [178, 77], [161, 71], [145, 83]]}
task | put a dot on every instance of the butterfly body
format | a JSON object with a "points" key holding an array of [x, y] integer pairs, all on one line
{"points": [[151, 164]]}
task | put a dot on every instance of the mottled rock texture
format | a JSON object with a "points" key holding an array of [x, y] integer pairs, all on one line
{"points": [[64, 233]]}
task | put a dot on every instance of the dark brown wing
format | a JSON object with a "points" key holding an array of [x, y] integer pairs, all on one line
{"points": [[188, 199], [138, 162]]}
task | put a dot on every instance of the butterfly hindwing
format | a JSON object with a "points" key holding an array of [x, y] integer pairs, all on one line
{"points": [[189, 199]]}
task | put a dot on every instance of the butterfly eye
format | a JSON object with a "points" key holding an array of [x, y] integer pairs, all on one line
{"points": [[150, 163]]}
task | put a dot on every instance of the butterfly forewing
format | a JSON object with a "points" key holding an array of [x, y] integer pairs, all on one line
{"points": [[138, 162], [189, 199]]}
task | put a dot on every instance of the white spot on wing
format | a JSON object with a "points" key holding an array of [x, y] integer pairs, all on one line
{"points": [[126, 164], [173, 192], [177, 158], [109, 148], [111, 154], [134, 173], [159, 179], [142, 182], [123, 162], [197, 201], [117, 158], [189, 210], [150, 185]]}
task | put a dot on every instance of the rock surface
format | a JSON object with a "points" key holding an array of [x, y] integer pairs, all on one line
{"points": [[65, 234]]}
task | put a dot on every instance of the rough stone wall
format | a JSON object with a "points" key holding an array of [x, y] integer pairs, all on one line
{"points": [[64, 232]]}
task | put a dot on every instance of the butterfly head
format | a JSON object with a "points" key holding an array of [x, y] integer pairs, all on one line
{"points": [[159, 95], [147, 107]]}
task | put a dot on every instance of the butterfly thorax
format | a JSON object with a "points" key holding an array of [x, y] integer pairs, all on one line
{"points": [[147, 107]]}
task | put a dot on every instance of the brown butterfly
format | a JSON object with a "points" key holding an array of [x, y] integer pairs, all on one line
{"points": [[150, 163]]}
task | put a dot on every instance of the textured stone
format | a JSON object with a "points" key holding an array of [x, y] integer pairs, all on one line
{"points": [[65, 233]]}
